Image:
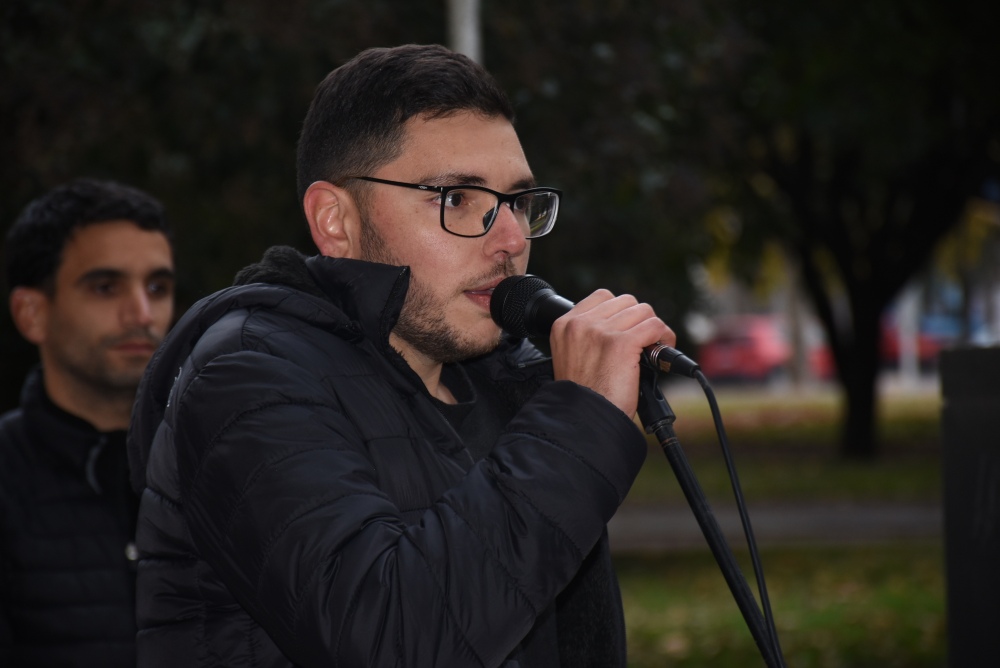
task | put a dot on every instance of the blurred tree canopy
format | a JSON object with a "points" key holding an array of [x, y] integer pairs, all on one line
{"points": [[197, 102], [856, 136], [853, 135]]}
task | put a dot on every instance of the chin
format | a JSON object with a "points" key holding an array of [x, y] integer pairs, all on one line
{"points": [[487, 345]]}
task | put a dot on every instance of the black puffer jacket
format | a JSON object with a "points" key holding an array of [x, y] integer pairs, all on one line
{"points": [[67, 521], [304, 502]]}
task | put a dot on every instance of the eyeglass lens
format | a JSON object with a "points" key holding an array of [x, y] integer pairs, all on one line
{"points": [[469, 212]]}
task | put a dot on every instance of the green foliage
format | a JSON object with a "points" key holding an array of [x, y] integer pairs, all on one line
{"points": [[200, 103], [594, 87], [833, 607]]}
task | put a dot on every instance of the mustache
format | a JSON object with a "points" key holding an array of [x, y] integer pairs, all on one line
{"points": [[133, 336], [504, 269]]}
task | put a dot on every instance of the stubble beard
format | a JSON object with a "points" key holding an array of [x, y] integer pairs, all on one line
{"points": [[421, 323], [90, 368]]}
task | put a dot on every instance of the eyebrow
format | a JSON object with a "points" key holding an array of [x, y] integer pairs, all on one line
{"points": [[108, 274], [162, 273], [458, 178]]}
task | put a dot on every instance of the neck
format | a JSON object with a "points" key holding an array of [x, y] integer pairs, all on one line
{"points": [[104, 411], [429, 370]]}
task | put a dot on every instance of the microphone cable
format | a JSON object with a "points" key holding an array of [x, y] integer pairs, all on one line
{"points": [[758, 570]]}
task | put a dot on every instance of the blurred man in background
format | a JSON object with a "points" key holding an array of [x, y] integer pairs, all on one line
{"points": [[91, 276]]}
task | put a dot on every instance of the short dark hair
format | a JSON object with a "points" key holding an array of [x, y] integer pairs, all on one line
{"points": [[355, 122], [36, 240]]}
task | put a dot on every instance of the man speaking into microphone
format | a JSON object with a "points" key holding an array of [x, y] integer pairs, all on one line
{"points": [[343, 459]]}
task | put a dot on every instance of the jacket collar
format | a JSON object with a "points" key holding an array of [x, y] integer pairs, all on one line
{"points": [[54, 433], [369, 294]]}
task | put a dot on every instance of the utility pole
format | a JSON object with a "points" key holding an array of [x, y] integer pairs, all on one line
{"points": [[464, 28]]}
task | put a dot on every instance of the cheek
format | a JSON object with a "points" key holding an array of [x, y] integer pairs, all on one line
{"points": [[70, 330], [521, 261], [62, 320], [163, 313], [430, 253]]}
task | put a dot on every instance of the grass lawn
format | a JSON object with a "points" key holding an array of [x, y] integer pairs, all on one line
{"points": [[854, 607]]}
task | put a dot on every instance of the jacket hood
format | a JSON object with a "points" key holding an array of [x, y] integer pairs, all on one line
{"points": [[325, 292]]}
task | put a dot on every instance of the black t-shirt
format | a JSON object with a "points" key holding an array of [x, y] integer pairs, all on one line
{"points": [[480, 414]]}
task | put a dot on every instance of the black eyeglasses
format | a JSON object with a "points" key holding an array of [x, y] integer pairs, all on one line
{"points": [[470, 211]]}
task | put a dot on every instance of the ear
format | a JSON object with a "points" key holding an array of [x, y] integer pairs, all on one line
{"points": [[334, 220], [29, 308]]}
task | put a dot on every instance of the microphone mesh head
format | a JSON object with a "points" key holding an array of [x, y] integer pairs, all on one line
{"points": [[510, 299]]}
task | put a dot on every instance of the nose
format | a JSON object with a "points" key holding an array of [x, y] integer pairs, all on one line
{"points": [[507, 234], [136, 309]]}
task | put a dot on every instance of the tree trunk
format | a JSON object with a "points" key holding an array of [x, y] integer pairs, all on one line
{"points": [[858, 438], [858, 375]]}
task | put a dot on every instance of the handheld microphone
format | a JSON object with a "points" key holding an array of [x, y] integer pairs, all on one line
{"points": [[526, 306]]}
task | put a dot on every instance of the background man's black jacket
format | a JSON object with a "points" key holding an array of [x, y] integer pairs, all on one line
{"points": [[67, 521]]}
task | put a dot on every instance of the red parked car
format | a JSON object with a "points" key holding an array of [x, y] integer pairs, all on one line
{"points": [[927, 348], [745, 348]]}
